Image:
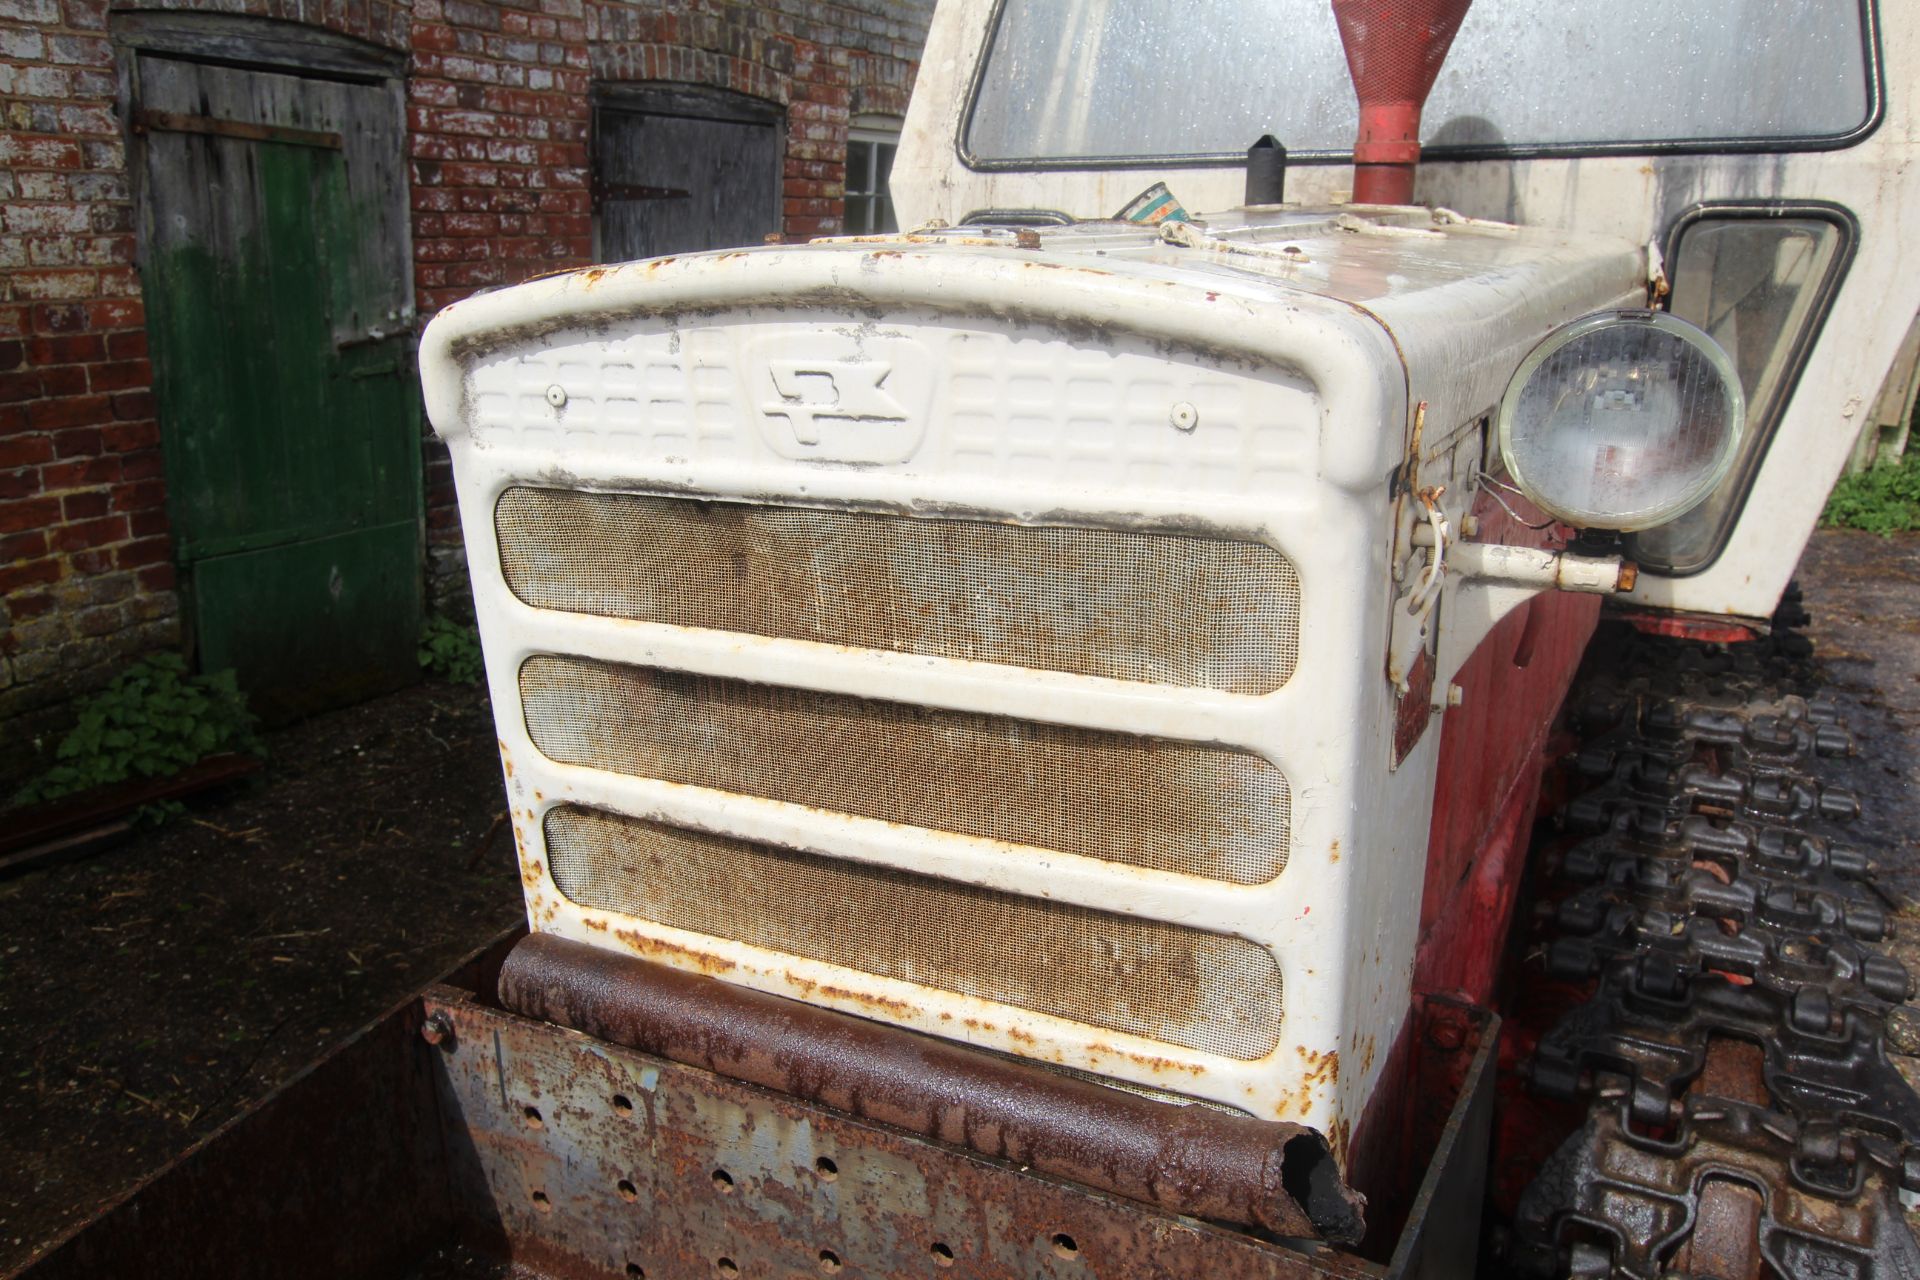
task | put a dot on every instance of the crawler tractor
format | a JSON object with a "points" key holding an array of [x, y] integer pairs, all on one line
{"points": [[1222, 706]]}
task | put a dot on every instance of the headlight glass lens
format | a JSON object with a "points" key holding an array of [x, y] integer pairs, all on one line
{"points": [[1621, 420]]}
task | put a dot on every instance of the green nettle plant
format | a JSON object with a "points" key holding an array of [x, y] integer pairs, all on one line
{"points": [[1882, 499], [450, 651], [155, 719]]}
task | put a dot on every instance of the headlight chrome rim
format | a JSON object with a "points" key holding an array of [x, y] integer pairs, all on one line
{"points": [[1692, 494]]}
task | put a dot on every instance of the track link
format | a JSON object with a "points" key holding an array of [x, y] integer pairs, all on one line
{"points": [[1732, 991]]}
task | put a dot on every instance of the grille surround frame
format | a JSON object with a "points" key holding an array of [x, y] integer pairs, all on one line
{"points": [[1314, 491], [519, 632], [1268, 1087]]}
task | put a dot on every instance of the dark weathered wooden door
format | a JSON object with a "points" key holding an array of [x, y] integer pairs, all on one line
{"points": [[276, 269], [678, 169]]}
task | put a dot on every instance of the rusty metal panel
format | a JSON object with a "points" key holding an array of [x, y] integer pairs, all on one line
{"points": [[1191, 807], [1205, 1161], [585, 1159]]}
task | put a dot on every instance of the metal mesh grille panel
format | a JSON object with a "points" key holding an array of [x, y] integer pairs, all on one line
{"points": [[1204, 991], [1160, 608], [1172, 806]]}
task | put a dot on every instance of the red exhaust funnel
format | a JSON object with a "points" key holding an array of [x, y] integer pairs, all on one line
{"points": [[1394, 50]]}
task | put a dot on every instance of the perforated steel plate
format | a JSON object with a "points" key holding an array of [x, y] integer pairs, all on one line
{"points": [[1204, 991], [1161, 608], [1173, 806]]}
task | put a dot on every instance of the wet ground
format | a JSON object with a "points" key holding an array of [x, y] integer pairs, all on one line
{"points": [[151, 992], [1864, 594]]}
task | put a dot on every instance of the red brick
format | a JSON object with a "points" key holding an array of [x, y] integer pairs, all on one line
{"points": [[70, 348], [83, 506], [117, 313], [20, 386], [77, 473], [23, 219], [156, 577], [30, 545], [144, 552], [140, 495], [140, 466], [70, 411], [88, 533], [33, 573], [55, 284], [23, 483], [63, 380], [24, 606], [35, 513], [25, 451], [20, 151], [130, 406], [146, 524], [59, 318], [127, 346], [126, 437], [120, 375]]}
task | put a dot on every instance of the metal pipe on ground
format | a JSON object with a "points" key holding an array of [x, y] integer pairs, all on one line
{"points": [[1192, 1160]]}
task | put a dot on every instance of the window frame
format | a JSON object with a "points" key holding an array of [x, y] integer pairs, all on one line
{"points": [[1443, 153], [875, 131], [1763, 430]]}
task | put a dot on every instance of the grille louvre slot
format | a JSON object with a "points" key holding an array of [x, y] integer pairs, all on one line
{"points": [[1169, 806], [1204, 991], [1127, 605]]}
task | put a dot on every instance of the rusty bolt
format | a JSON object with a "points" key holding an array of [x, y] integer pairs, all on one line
{"points": [[1628, 576], [1026, 238], [1447, 1035], [437, 1030], [1903, 1032]]}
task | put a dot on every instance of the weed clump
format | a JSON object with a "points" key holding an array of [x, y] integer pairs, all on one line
{"points": [[1883, 499], [450, 651], [153, 720]]}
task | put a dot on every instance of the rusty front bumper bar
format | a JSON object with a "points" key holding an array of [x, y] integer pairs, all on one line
{"points": [[1198, 1161], [452, 1138]]}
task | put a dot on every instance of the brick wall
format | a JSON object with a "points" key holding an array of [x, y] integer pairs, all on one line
{"points": [[498, 115], [85, 571]]}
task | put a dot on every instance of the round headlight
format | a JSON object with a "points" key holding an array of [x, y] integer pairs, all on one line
{"points": [[1621, 420]]}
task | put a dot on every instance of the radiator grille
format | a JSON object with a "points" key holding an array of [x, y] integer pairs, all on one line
{"points": [[1204, 991], [1172, 806], [1161, 608]]}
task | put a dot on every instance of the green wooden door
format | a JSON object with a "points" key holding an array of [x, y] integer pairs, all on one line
{"points": [[275, 272]]}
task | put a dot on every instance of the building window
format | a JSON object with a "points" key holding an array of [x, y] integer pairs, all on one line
{"points": [[871, 143]]}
